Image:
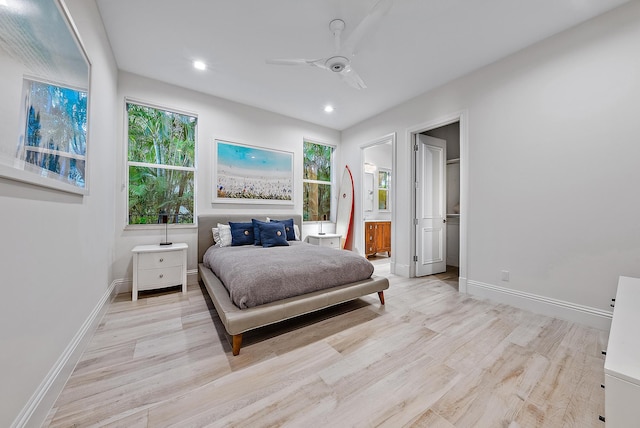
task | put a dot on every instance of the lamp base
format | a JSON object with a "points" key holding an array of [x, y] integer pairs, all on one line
{"points": [[166, 243]]}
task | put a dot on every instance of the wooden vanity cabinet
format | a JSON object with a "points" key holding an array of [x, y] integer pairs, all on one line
{"points": [[377, 235]]}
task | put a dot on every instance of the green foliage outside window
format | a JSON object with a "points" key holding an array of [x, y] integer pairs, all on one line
{"points": [[384, 178], [317, 181], [161, 161]]}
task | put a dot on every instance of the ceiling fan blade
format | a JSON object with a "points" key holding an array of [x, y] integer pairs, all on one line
{"points": [[336, 26], [299, 61], [368, 24], [351, 78]]}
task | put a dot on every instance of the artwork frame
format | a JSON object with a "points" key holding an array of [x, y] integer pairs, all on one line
{"points": [[44, 138], [246, 174]]}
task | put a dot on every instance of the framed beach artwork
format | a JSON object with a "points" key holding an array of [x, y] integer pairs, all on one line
{"points": [[245, 174]]}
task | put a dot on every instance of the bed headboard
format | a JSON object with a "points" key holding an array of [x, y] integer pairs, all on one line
{"points": [[208, 221]]}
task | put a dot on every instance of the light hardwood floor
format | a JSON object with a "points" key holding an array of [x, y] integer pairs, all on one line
{"points": [[429, 358]]}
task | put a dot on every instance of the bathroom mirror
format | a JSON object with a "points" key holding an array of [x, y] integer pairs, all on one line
{"points": [[45, 87]]}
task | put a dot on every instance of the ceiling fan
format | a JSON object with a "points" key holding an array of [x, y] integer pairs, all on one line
{"points": [[339, 61]]}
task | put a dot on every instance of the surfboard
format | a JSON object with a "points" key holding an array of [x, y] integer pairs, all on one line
{"points": [[344, 217]]}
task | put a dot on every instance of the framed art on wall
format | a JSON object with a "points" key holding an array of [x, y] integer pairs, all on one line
{"points": [[45, 85], [247, 174]]}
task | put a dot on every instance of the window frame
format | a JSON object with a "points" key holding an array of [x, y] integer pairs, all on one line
{"points": [[384, 189], [331, 183], [127, 164]]}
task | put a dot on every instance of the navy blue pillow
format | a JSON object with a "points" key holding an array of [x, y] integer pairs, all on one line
{"points": [[273, 235], [241, 233], [256, 230], [288, 227]]}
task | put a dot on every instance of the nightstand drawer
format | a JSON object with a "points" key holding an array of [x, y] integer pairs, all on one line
{"points": [[330, 242], [157, 278], [160, 259]]}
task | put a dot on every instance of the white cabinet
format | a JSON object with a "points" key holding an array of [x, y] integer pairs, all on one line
{"points": [[330, 240], [622, 363], [159, 266]]}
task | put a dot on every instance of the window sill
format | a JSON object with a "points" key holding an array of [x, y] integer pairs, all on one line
{"points": [[159, 226]]}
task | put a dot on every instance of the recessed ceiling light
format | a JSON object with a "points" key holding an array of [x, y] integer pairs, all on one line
{"points": [[199, 65], [328, 109]]}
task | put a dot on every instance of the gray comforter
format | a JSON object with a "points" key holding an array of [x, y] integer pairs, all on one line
{"points": [[254, 275]]}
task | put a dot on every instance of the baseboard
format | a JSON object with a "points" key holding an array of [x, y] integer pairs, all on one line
{"points": [[400, 269], [39, 405], [462, 285], [585, 315], [126, 285]]}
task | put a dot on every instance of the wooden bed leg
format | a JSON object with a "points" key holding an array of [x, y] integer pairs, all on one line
{"points": [[237, 343], [381, 296]]}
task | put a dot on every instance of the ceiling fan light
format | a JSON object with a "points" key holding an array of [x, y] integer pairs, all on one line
{"points": [[199, 65], [328, 109]]}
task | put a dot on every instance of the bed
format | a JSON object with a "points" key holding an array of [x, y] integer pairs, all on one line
{"points": [[238, 321]]}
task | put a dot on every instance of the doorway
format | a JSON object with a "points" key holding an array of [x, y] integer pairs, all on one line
{"points": [[376, 205], [440, 198]]}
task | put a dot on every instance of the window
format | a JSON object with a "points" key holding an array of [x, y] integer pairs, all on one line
{"points": [[161, 165], [384, 181], [317, 181]]}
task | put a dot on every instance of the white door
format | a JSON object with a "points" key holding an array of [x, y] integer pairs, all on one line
{"points": [[431, 230]]}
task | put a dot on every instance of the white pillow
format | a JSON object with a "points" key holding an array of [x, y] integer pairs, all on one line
{"points": [[224, 233]]}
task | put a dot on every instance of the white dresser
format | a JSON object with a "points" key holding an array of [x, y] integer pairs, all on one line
{"points": [[159, 266], [622, 362], [330, 240]]}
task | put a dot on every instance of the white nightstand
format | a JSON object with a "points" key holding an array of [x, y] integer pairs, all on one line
{"points": [[159, 266], [330, 240]]}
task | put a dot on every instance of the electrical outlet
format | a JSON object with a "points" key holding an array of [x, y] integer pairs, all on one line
{"points": [[504, 275]]}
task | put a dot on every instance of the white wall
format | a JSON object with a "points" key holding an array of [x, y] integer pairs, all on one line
{"points": [[217, 118], [553, 163], [57, 248]]}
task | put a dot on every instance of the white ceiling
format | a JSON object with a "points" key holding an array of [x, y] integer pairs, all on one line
{"points": [[417, 46]]}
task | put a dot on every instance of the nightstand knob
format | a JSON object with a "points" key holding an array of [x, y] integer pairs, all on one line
{"points": [[161, 260]]}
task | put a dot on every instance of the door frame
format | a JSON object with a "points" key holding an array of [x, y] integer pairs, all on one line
{"points": [[359, 214], [462, 117]]}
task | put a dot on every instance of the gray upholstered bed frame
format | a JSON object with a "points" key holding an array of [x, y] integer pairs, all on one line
{"points": [[237, 321]]}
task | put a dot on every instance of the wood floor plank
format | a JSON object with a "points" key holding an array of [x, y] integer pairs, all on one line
{"points": [[303, 403], [429, 357], [427, 419], [398, 397], [234, 392]]}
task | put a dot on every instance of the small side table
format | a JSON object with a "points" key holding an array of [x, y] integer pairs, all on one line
{"points": [[159, 266], [330, 240]]}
